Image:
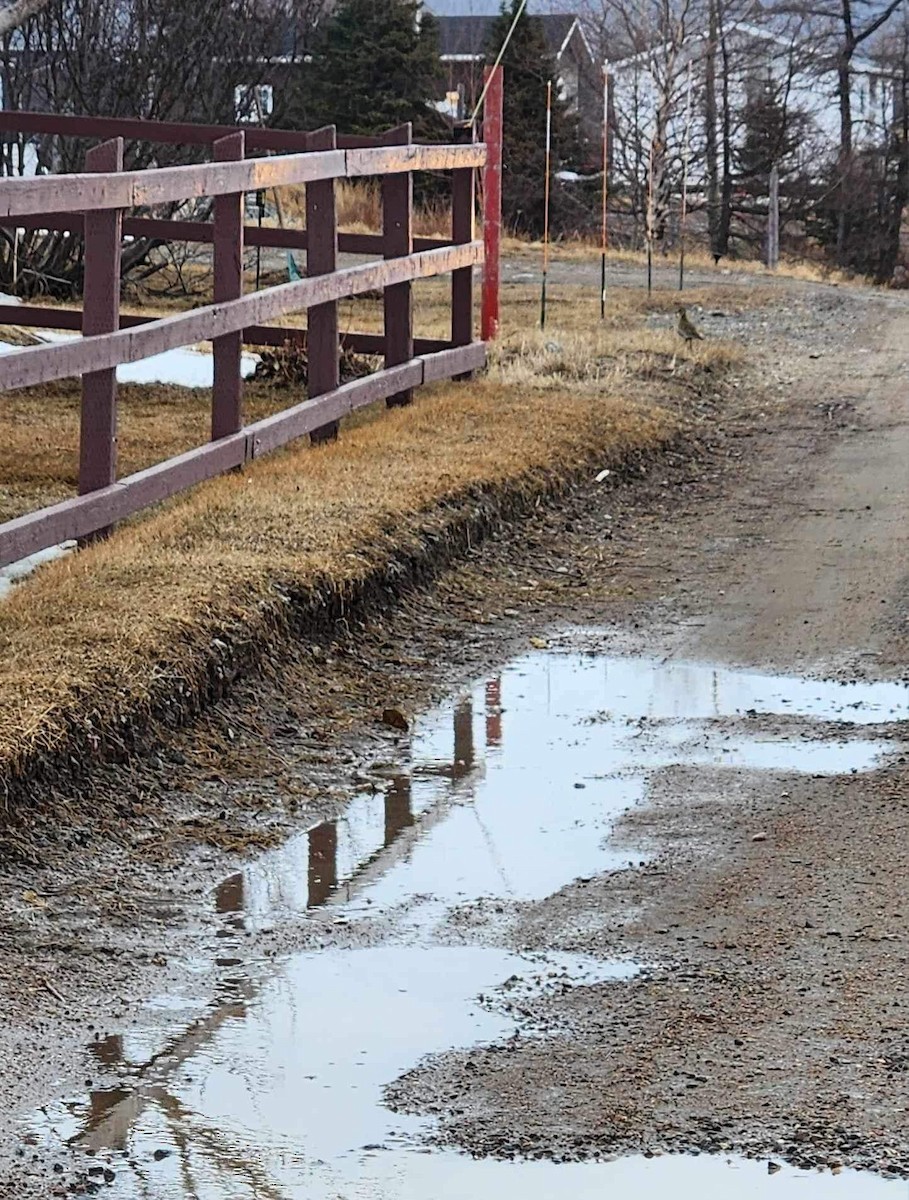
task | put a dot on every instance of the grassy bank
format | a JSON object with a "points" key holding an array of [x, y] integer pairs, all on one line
{"points": [[152, 624]]}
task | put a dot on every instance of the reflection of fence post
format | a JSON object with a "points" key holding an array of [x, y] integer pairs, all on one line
{"points": [[463, 739], [773, 221], [494, 712], [323, 863], [397, 242], [492, 201], [227, 391], [322, 259], [398, 814], [101, 314], [462, 230]]}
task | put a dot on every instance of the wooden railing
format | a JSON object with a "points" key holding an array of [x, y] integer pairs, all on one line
{"points": [[98, 204]]}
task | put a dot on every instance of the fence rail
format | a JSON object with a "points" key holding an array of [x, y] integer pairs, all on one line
{"points": [[96, 204]]}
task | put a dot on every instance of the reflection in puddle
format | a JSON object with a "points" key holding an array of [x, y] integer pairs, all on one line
{"points": [[484, 815], [510, 795]]}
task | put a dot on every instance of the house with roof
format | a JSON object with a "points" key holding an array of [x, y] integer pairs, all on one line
{"points": [[465, 50], [797, 68]]}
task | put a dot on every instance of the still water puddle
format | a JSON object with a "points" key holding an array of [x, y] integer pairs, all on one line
{"points": [[509, 795]]}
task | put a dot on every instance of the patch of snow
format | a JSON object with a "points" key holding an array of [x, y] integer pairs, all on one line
{"points": [[17, 571], [185, 367]]}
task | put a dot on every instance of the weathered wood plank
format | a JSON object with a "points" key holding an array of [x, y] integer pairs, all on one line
{"points": [[78, 517], [41, 364], [415, 157], [202, 232], [175, 133], [455, 362], [462, 231], [129, 189], [101, 314], [35, 317], [272, 432], [81, 516], [227, 385], [322, 259], [397, 233]]}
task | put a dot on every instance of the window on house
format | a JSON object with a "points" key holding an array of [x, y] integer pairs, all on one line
{"points": [[254, 103]]}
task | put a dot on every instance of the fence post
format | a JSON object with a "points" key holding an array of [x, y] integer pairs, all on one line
{"points": [[397, 234], [462, 230], [100, 314], [322, 345], [492, 201], [227, 390], [773, 220]]}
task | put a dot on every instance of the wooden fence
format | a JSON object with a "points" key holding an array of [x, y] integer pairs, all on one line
{"points": [[97, 204]]}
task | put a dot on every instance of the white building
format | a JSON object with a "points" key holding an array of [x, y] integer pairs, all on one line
{"points": [[798, 74]]}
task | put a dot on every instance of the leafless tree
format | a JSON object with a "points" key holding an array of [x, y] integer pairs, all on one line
{"points": [[848, 26], [655, 34], [14, 14], [894, 58], [157, 59]]}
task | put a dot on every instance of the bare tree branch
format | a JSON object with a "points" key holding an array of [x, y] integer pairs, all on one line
{"points": [[13, 15]]}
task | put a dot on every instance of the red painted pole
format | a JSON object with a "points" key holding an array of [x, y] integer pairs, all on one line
{"points": [[492, 202], [100, 314]]}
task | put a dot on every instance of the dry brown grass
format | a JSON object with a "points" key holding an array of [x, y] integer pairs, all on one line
{"points": [[696, 258], [360, 209], [102, 634]]}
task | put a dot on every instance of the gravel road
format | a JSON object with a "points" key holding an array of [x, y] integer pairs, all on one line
{"points": [[761, 911]]}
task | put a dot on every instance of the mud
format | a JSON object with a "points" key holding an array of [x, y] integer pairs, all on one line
{"points": [[699, 948]]}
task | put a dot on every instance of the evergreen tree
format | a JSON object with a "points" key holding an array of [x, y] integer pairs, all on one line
{"points": [[528, 67], [772, 136], [375, 66]]}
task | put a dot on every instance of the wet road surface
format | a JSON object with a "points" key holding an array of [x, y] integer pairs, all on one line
{"points": [[509, 794]]}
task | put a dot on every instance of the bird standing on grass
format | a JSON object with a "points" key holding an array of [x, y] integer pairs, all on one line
{"points": [[687, 330]]}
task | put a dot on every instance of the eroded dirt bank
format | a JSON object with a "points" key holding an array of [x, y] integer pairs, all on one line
{"points": [[769, 1016]]}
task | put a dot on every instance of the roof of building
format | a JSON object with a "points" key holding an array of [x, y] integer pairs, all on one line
{"points": [[468, 36]]}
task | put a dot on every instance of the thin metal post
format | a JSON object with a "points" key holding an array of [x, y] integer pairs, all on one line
{"points": [[604, 236], [650, 219], [397, 242], [686, 154], [227, 391], [773, 220], [322, 259], [100, 314], [548, 170], [493, 115]]}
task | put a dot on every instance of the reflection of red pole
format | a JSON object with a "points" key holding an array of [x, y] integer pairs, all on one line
{"points": [[494, 712], [492, 201]]}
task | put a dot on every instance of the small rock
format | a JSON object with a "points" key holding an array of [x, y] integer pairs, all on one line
{"points": [[159, 1155], [773, 1167], [395, 719], [759, 837]]}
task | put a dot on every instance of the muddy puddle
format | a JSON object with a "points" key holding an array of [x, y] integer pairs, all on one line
{"points": [[506, 795]]}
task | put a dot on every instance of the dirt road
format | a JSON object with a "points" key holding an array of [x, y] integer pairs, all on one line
{"points": [[636, 888]]}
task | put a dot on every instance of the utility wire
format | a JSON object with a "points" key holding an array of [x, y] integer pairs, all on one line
{"points": [[498, 62]]}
